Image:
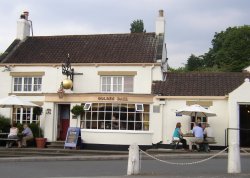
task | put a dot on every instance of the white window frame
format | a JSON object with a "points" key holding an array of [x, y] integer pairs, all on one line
{"points": [[112, 85], [23, 85], [138, 106], [22, 113], [87, 106]]}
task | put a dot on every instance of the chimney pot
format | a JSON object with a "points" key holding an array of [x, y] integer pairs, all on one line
{"points": [[161, 13], [26, 14]]}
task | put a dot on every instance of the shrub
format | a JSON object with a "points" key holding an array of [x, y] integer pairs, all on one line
{"points": [[36, 130], [77, 110], [4, 124], [37, 111]]}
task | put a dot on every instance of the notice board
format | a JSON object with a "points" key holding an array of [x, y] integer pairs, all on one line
{"points": [[73, 138]]}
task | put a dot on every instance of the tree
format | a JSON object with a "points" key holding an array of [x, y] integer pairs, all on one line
{"points": [[137, 26], [230, 50], [194, 63]]}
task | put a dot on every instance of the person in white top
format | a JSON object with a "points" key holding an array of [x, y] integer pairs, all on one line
{"points": [[198, 136], [13, 135]]}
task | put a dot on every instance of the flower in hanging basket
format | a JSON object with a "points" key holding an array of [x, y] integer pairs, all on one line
{"points": [[60, 91]]}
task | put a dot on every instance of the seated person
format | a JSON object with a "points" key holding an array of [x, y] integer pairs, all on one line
{"points": [[13, 134], [198, 136], [27, 135], [177, 135]]}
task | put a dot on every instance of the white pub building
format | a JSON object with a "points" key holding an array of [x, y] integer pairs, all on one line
{"points": [[121, 82]]}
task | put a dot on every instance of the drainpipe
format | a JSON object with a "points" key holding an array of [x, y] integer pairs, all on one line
{"points": [[162, 102]]}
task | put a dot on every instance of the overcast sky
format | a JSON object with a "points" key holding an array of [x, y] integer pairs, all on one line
{"points": [[190, 24]]}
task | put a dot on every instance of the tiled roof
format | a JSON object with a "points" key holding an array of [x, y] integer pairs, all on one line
{"points": [[199, 84], [104, 48], [11, 48]]}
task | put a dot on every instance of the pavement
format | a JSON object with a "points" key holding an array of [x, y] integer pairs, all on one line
{"points": [[47, 154]]}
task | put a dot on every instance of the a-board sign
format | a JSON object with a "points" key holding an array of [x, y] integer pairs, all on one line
{"points": [[73, 137]]}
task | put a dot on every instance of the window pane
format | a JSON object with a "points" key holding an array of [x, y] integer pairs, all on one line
{"points": [[18, 84], [128, 83]]}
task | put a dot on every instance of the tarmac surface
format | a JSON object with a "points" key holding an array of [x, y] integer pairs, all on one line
{"points": [[47, 154], [30, 155]]}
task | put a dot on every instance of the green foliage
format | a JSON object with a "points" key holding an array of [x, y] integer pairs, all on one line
{"points": [[194, 63], [137, 26], [37, 111], [231, 49], [77, 110], [230, 52], [180, 69], [36, 130], [4, 124]]}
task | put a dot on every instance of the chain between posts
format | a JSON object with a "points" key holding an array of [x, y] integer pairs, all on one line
{"points": [[184, 164]]}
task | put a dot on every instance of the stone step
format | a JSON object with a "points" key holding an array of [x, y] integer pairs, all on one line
{"points": [[56, 145]]}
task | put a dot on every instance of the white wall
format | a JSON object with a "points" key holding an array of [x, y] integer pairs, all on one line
{"points": [[116, 137], [241, 95], [219, 123]]}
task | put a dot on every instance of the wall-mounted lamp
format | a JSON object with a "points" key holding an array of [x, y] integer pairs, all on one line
{"points": [[6, 69], [69, 72]]}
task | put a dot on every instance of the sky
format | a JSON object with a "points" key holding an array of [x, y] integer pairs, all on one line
{"points": [[190, 24]]}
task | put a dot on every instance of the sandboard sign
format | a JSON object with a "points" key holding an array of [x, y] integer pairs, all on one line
{"points": [[73, 138]]}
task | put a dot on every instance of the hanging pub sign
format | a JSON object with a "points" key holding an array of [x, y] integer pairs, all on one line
{"points": [[73, 138]]}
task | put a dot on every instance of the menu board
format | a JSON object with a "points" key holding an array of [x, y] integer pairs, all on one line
{"points": [[73, 137]]}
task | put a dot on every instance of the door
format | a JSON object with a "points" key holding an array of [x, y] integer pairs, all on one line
{"points": [[63, 120], [245, 125]]}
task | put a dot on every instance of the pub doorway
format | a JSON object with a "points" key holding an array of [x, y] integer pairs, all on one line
{"points": [[63, 121], [244, 125]]}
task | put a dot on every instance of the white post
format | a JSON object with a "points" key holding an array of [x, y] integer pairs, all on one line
{"points": [[234, 164], [133, 160]]}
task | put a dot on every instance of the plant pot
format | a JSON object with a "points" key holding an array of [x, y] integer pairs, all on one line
{"points": [[41, 142]]}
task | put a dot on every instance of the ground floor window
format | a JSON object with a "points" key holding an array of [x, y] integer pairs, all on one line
{"points": [[199, 120], [24, 115], [116, 116]]}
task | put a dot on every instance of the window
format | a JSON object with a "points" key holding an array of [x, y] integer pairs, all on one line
{"points": [[117, 84], [87, 106], [139, 107], [27, 84], [24, 115], [116, 116]]}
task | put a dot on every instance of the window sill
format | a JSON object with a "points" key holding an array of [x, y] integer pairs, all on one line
{"points": [[117, 131]]}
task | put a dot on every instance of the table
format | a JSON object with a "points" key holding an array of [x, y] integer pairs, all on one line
{"points": [[188, 138]]}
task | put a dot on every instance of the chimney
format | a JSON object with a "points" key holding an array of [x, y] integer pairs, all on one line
{"points": [[160, 23], [23, 26]]}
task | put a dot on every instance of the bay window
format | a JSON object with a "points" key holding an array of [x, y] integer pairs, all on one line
{"points": [[116, 116]]}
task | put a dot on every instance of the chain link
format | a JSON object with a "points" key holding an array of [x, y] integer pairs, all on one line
{"points": [[183, 164], [244, 150]]}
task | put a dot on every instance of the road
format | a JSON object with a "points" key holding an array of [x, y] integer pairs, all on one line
{"points": [[118, 168]]}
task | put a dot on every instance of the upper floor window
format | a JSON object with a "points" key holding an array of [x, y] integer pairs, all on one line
{"points": [[27, 84], [117, 84]]}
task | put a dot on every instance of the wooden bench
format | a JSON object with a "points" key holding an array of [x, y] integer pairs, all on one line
{"points": [[175, 143], [204, 146], [4, 137]]}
